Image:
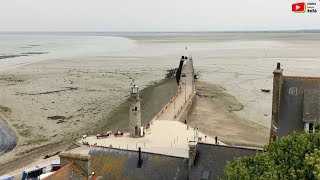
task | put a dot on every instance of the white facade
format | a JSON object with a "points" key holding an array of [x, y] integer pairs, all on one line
{"points": [[135, 113]]}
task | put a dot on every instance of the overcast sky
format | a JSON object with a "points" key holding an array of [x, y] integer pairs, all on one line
{"points": [[153, 15]]}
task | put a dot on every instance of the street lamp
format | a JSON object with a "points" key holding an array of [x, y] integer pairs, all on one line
{"points": [[194, 133], [174, 109]]}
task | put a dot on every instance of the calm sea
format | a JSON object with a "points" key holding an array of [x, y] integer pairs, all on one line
{"points": [[18, 48], [22, 48]]}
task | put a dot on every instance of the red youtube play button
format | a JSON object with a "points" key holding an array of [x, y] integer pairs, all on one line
{"points": [[298, 7]]}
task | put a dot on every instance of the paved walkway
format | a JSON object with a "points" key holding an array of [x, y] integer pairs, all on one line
{"points": [[165, 137]]}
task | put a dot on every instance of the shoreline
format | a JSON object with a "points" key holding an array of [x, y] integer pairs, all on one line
{"points": [[150, 92], [63, 96], [216, 114], [117, 114]]}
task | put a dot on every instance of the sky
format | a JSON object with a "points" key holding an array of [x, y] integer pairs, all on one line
{"points": [[154, 15]]}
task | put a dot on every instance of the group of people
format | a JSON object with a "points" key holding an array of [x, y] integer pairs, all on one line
{"points": [[200, 138]]}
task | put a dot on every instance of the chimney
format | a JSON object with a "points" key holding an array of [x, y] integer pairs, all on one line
{"points": [[278, 66], [192, 153], [140, 161], [80, 160], [93, 176]]}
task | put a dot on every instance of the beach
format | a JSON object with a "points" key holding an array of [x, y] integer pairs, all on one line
{"points": [[58, 97], [52, 101]]}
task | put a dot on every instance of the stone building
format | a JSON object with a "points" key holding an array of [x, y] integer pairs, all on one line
{"points": [[295, 104], [205, 162], [211, 159]]}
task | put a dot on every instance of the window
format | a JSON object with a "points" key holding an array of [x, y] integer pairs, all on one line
{"points": [[310, 127], [293, 91], [205, 175]]}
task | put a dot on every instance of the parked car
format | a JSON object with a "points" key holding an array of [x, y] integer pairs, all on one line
{"points": [[104, 135], [118, 133]]}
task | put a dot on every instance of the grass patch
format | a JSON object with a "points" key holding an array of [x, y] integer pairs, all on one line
{"points": [[153, 99]]}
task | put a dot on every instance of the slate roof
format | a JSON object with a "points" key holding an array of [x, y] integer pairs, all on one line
{"points": [[211, 160], [122, 164], [70, 172], [299, 103]]}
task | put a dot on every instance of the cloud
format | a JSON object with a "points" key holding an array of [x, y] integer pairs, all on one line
{"points": [[151, 15]]}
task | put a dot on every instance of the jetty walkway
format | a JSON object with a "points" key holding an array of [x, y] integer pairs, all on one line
{"points": [[185, 95], [168, 133]]}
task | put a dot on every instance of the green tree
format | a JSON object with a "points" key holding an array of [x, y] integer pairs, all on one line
{"points": [[292, 157]]}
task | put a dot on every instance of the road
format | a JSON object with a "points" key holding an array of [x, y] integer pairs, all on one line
{"points": [[8, 138]]}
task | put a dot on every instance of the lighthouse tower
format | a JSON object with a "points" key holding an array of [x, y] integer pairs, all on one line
{"points": [[135, 114]]}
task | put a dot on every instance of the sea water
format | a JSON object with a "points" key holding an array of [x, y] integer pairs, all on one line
{"points": [[241, 63], [18, 49]]}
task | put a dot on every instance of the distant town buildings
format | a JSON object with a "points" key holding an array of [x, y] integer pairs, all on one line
{"points": [[295, 104]]}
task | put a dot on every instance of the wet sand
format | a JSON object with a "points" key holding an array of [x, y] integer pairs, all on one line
{"points": [[59, 100], [153, 98], [215, 115]]}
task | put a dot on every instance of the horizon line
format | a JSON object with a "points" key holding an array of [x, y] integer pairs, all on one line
{"points": [[198, 31]]}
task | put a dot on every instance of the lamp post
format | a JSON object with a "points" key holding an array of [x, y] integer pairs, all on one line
{"points": [[174, 109], [194, 133]]}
